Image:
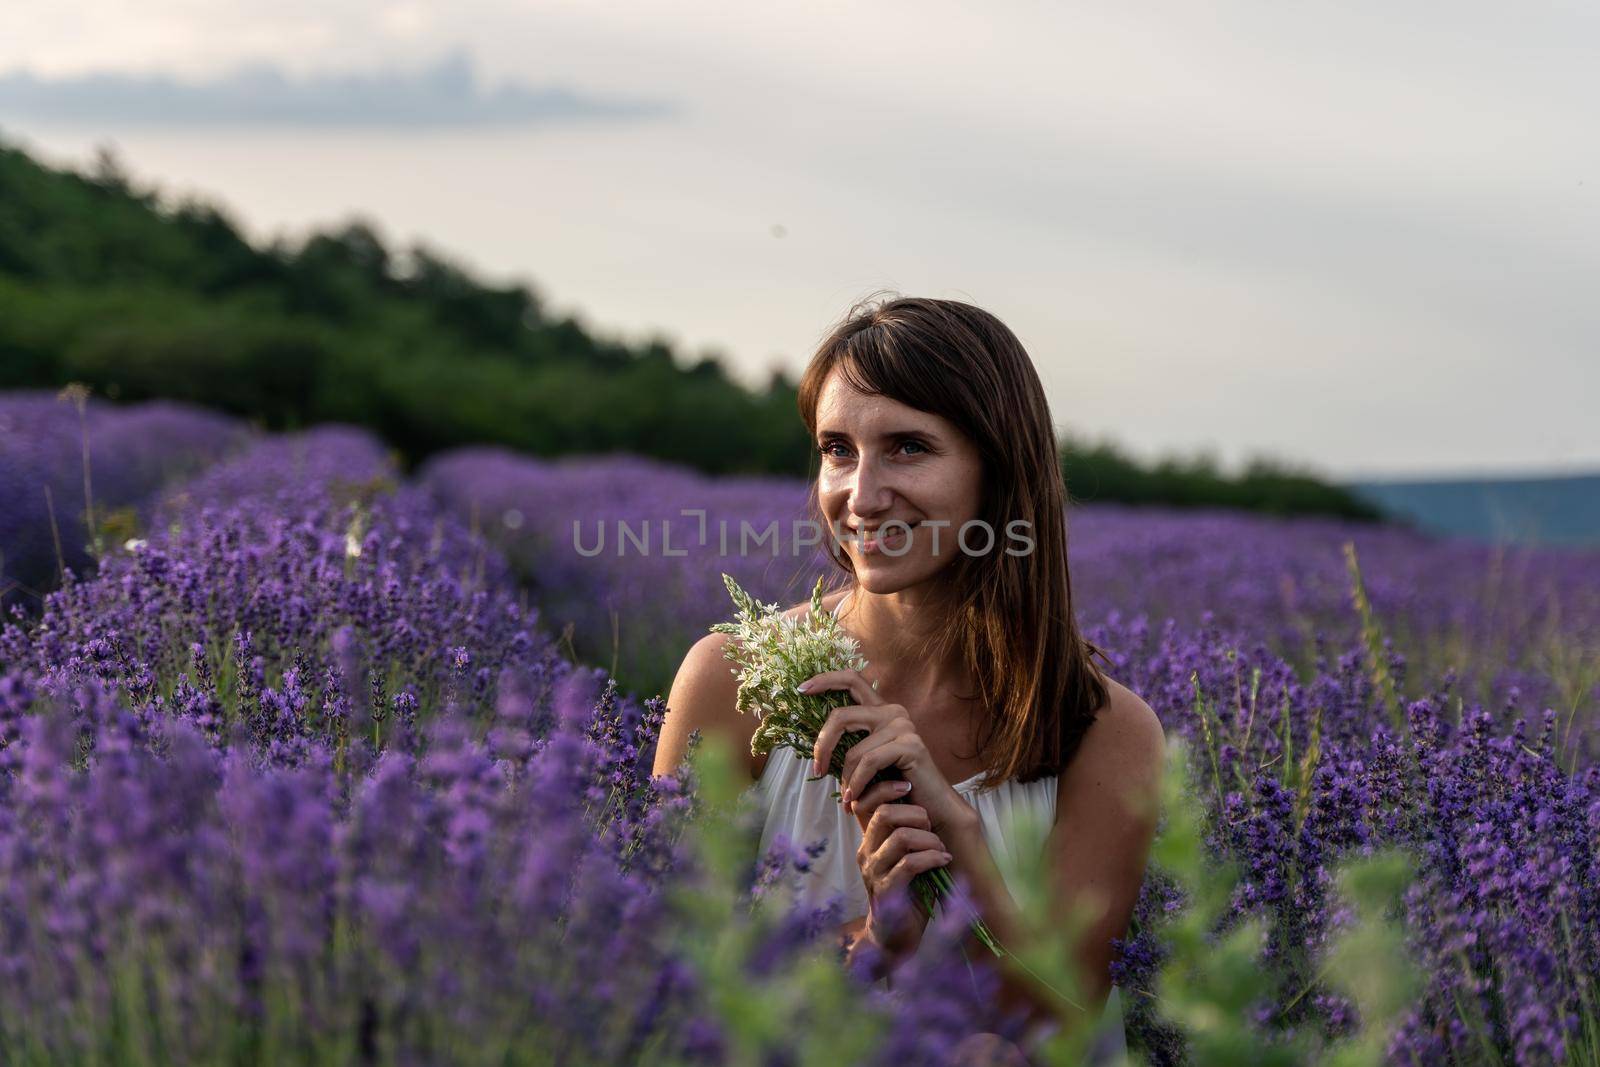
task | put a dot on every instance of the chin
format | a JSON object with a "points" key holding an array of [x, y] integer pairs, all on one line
{"points": [[882, 575]]}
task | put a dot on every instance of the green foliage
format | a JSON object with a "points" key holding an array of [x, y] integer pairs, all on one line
{"points": [[1369, 963], [806, 1007], [1102, 472], [1213, 977], [1211, 981], [107, 284], [1372, 638], [110, 284]]}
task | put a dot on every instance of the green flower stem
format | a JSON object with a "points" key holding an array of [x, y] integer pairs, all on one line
{"points": [[931, 889]]}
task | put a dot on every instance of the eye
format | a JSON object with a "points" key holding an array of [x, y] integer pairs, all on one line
{"points": [[827, 448]]}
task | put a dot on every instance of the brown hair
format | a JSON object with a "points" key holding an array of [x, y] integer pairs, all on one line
{"points": [[1008, 617]]}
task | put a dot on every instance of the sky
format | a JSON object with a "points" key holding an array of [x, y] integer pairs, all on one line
{"points": [[1357, 238]]}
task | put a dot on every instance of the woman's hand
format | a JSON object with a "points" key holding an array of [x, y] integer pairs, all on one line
{"points": [[891, 741], [897, 844]]}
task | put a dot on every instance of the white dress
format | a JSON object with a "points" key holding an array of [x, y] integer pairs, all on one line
{"points": [[805, 812]]}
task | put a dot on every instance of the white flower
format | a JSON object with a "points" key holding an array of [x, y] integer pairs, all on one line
{"points": [[776, 652]]}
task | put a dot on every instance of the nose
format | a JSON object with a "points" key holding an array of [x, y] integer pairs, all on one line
{"points": [[871, 490]]}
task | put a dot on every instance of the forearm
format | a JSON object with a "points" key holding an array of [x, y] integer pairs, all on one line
{"points": [[974, 863], [1019, 988]]}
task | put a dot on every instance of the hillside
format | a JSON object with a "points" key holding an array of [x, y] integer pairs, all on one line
{"points": [[141, 297], [112, 285]]}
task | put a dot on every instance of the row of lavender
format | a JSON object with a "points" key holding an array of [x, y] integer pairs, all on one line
{"points": [[309, 778], [59, 455]]}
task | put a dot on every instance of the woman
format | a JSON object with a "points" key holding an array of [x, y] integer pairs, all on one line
{"points": [[939, 475]]}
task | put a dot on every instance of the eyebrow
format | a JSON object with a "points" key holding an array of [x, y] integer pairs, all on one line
{"points": [[887, 435]]}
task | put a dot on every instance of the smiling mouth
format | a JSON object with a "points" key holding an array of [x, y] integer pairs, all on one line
{"points": [[872, 541]]}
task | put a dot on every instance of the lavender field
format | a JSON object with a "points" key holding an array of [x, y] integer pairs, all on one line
{"points": [[306, 761]]}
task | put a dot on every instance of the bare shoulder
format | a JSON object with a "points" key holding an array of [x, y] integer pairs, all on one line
{"points": [[1131, 724], [704, 697], [1124, 747]]}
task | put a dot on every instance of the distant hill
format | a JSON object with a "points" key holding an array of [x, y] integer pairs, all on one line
{"points": [[1551, 511], [115, 286], [1102, 471], [141, 297]]}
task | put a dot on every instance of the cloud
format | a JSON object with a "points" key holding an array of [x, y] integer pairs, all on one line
{"points": [[446, 94]]}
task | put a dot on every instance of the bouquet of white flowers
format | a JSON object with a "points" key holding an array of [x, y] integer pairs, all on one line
{"points": [[775, 652]]}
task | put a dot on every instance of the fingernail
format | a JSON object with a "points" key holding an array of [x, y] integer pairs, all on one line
{"points": [[900, 788], [847, 797], [803, 686], [947, 856]]}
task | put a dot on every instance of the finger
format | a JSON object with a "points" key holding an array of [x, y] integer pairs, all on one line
{"points": [[890, 816], [882, 793], [901, 841], [886, 755], [911, 865], [861, 690], [841, 719], [881, 734]]}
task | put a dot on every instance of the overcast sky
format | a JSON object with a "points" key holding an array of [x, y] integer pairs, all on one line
{"points": [[1364, 238]]}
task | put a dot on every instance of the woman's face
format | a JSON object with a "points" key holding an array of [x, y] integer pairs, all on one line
{"points": [[882, 460]]}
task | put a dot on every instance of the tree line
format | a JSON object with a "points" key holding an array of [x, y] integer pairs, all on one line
{"points": [[140, 295]]}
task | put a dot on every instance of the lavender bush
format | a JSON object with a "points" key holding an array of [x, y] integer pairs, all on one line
{"points": [[131, 452], [1483, 618], [290, 782], [632, 609], [1504, 913]]}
